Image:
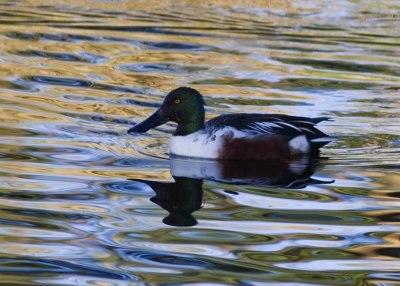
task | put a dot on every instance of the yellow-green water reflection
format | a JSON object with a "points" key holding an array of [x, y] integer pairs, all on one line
{"points": [[77, 203]]}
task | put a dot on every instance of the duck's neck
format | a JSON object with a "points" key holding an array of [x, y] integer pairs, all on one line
{"points": [[193, 121]]}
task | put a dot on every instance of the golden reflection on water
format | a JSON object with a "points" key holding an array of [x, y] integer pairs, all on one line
{"points": [[76, 75]]}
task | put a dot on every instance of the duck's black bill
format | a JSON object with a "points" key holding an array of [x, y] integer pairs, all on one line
{"points": [[157, 119]]}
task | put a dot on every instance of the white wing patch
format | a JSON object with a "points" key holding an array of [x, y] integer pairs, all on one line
{"points": [[299, 145]]}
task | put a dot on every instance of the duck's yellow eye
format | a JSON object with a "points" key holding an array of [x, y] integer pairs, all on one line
{"points": [[177, 101]]}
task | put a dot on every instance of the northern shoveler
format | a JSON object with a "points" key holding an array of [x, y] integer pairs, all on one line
{"points": [[243, 136]]}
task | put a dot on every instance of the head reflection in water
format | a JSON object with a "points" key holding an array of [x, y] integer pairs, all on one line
{"points": [[185, 196], [180, 199]]}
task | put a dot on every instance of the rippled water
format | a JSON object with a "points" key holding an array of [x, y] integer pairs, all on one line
{"points": [[83, 203]]}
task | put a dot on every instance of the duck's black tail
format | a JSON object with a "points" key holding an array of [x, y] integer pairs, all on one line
{"points": [[317, 120]]}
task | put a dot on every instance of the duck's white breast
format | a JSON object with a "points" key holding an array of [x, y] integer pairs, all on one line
{"points": [[201, 144], [197, 144]]}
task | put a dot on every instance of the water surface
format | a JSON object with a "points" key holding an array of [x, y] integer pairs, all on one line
{"points": [[83, 203]]}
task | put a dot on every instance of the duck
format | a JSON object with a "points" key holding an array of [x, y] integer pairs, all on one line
{"points": [[240, 136]]}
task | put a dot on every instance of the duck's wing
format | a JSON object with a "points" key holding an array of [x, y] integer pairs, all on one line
{"points": [[269, 124]]}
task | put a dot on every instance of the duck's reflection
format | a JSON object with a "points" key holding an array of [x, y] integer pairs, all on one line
{"points": [[185, 195], [180, 199]]}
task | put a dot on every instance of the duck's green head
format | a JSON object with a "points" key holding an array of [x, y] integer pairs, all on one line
{"points": [[184, 106]]}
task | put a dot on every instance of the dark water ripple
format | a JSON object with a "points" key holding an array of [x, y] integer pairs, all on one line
{"points": [[85, 57], [18, 85], [343, 66], [75, 82], [50, 37], [83, 203], [46, 267]]}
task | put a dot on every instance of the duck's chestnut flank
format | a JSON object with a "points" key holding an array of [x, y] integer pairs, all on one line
{"points": [[240, 136], [256, 148]]}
